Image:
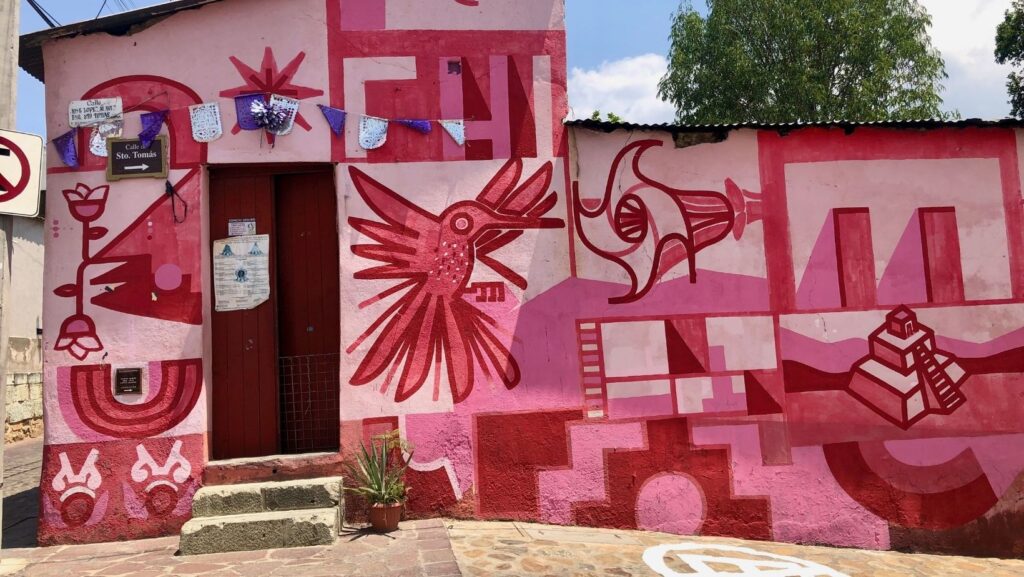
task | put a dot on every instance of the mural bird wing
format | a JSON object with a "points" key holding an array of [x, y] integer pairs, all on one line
{"points": [[401, 237], [410, 338]]}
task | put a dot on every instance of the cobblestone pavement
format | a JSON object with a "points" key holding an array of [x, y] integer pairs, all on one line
{"points": [[22, 462], [441, 548], [517, 549], [450, 548]]}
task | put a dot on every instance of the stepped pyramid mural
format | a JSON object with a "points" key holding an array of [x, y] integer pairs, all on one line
{"points": [[905, 377]]}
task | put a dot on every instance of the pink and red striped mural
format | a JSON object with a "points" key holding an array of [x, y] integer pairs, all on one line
{"points": [[810, 336]]}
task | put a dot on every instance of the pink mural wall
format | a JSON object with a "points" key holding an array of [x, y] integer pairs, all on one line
{"points": [[809, 337], [818, 338]]}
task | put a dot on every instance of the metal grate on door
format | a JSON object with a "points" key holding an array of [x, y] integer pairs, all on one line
{"points": [[310, 389]]}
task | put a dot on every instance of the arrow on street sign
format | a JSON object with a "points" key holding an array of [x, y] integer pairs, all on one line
{"points": [[127, 158]]}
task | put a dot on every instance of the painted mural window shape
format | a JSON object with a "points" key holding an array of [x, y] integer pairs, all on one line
{"points": [[684, 365], [925, 267], [679, 223], [434, 321]]}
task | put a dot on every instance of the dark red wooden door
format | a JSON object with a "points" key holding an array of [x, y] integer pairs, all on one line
{"points": [[244, 388], [309, 322], [276, 368]]}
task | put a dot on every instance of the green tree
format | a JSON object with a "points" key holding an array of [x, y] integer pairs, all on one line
{"points": [[1010, 50], [807, 60]]}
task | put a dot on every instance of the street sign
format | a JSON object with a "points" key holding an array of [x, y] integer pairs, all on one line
{"points": [[126, 158], [21, 165]]}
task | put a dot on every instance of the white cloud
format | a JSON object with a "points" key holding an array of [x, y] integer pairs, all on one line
{"points": [[627, 87], [964, 31]]}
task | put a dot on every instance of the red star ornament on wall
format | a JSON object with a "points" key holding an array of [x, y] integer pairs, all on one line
{"points": [[269, 80]]}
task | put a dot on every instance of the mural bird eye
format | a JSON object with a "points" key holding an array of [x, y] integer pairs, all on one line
{"points": [[462, 223]]}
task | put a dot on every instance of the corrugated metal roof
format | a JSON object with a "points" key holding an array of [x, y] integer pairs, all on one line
{"points": [[31, 50], [605, 126]]}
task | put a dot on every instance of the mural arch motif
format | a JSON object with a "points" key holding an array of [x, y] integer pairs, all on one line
{"points": [[147, 93], [152, 270]]}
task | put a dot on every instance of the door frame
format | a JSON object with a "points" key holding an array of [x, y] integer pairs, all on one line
{"points": [[206, 240]]}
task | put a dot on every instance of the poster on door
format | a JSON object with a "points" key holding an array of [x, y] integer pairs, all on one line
{"points": [[241, 272]]}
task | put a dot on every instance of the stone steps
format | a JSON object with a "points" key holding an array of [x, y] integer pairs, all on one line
{"points": [[256, 531], [254, 516]]}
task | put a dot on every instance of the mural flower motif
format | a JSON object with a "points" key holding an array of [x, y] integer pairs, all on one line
{"points": [[87, 204], [78, 337]]}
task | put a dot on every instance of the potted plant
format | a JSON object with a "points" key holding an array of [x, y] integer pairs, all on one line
{"points": [[379, 472]]}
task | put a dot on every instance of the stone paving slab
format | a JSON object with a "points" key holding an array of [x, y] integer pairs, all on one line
{"points": [[419, 549], [518, 549]]}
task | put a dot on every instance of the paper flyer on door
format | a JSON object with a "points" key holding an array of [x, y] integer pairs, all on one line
{"points": [[241, 272]]}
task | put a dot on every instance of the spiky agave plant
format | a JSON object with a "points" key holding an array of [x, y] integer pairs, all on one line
{"points": [[379, 477]]}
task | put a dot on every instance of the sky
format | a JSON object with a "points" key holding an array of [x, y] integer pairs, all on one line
{"points": [[617, 54]]}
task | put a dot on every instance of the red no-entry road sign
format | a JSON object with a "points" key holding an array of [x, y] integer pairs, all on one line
{"points": [[21, 164]]}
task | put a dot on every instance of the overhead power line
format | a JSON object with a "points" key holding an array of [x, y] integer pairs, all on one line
{"points": [[46, 16]]}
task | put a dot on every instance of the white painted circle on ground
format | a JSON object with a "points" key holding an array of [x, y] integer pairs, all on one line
{"points": [[707, 560]]}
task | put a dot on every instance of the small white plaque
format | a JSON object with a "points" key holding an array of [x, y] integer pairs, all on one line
{"points": [[241, 226], [89, 112]]}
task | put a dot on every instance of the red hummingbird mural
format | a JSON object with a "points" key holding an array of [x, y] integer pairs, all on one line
{"points": [[434, 256]]}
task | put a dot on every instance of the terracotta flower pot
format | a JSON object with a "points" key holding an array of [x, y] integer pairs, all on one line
{"points": [[385, 518]]}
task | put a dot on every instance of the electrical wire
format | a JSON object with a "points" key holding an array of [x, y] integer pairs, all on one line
{"points": [[46, 16]]}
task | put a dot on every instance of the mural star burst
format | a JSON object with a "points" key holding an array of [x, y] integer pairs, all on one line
{"points": [[269, 80]]}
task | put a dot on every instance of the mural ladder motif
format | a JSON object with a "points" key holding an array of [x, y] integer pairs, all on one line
{"points": [[595, 392], [938, 386]]}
